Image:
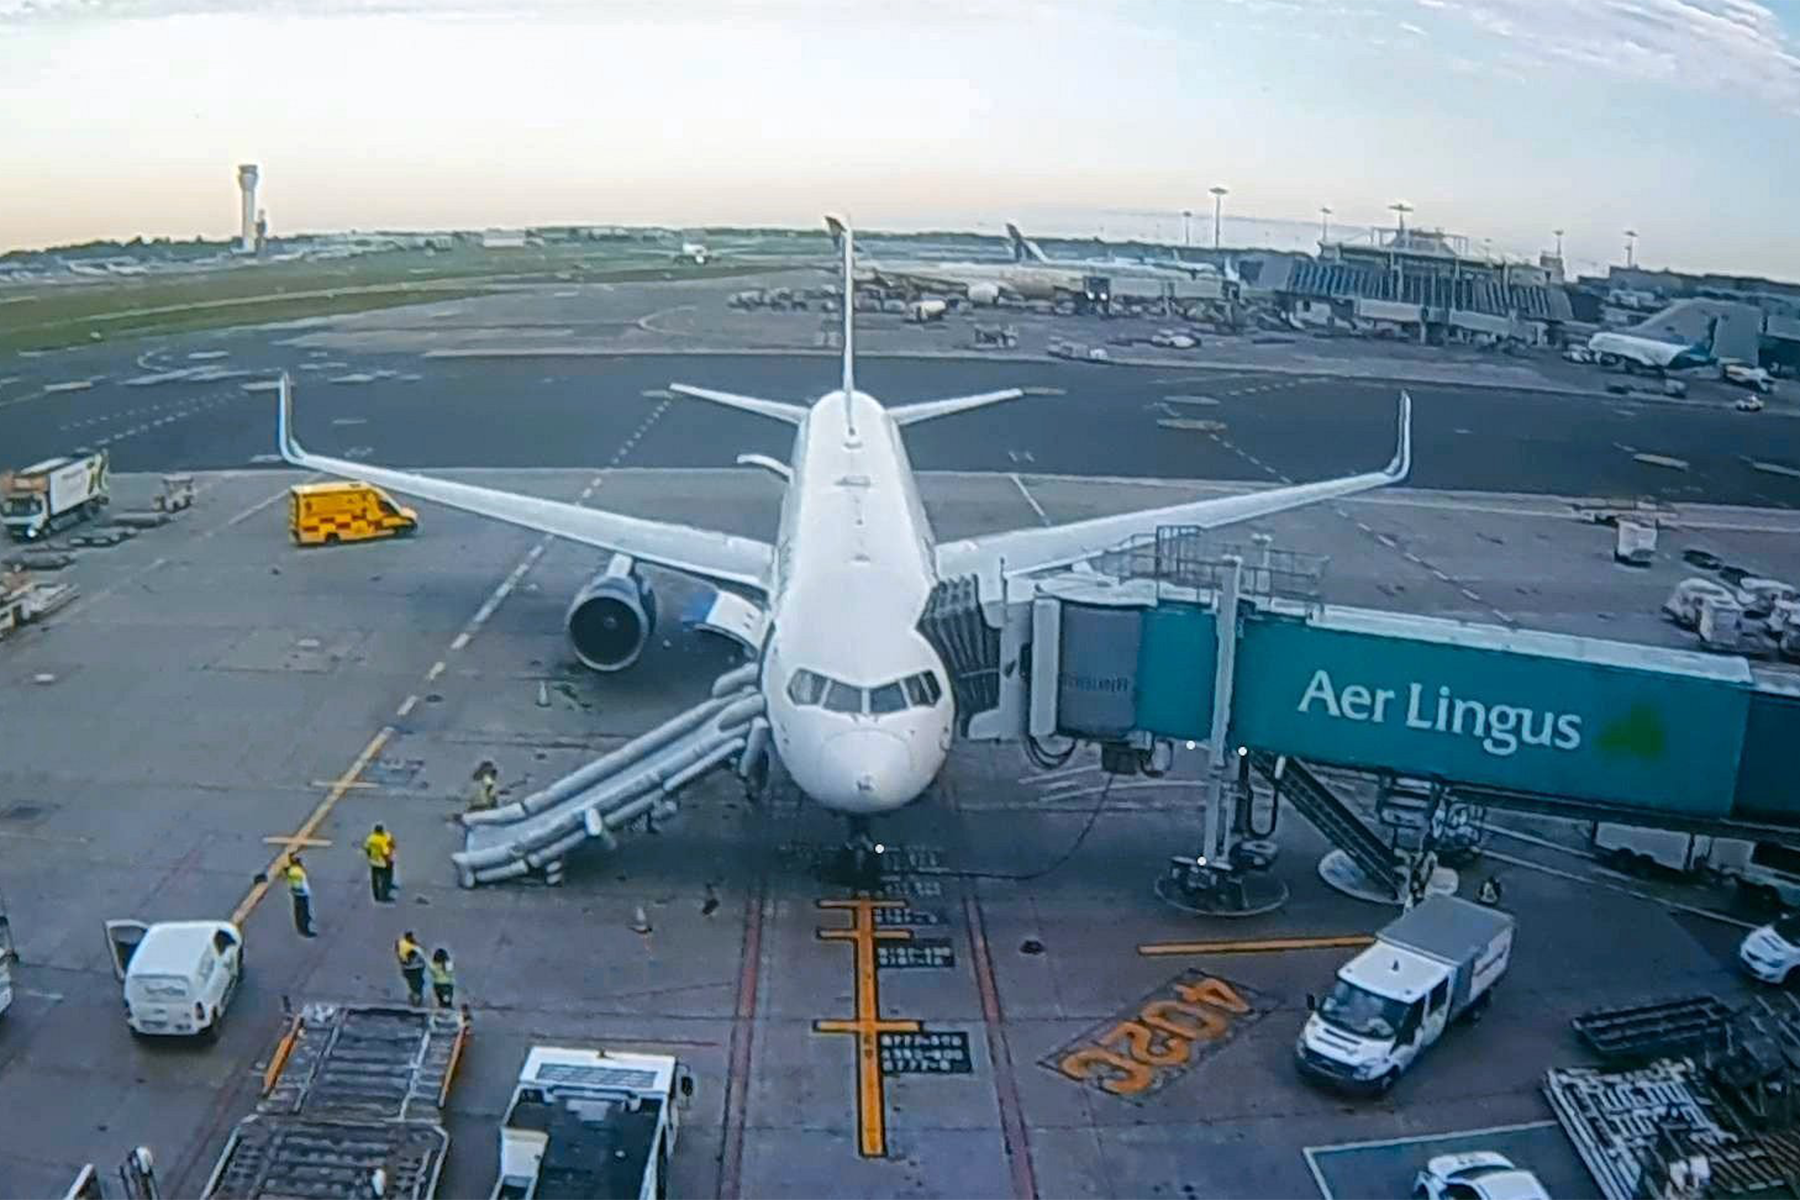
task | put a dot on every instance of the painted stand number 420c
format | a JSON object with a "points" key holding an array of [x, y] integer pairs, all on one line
{"points": [[1127, 1059]]}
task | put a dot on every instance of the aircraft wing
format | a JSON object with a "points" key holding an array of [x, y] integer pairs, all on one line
{"points": [[701, 552], [1026, 550]]}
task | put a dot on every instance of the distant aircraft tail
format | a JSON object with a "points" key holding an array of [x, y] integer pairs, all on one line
{"points": [[1024, 249], [836, 228], [1705, 344]]}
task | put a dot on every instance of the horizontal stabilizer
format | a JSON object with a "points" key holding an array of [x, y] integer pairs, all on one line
{"points": [[793, 414], [925, 410]]}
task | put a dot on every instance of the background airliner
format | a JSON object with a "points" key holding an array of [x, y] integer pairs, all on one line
{"points": [[857, 699]]}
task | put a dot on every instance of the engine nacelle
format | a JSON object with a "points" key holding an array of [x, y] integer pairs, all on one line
{"points": [[984, 293], [612, 617]]}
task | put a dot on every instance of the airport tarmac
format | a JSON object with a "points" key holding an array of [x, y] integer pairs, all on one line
{"points": [[216, 690], [490, 387]]}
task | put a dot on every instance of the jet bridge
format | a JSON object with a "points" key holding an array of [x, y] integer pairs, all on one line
{"points": [[1132, 654], [638, 781]]}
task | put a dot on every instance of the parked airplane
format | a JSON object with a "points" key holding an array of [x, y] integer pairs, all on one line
{"points": [[1172, 276], [1634, 351], [857, 699], [980, 282]]}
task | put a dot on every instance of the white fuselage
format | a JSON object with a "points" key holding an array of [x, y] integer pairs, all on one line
{"points": [[854, 567]]}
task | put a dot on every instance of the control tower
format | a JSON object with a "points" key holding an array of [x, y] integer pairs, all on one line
{"points": [[247, 176]]}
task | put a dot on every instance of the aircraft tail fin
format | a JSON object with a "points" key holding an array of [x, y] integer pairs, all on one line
{"points": [[835, 227], [1024, 249], [846, 237]]}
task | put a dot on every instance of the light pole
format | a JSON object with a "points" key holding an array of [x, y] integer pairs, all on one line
{"points": [[1631, 247], [1559, 237], [1187, 226], [1400, 208], [1324, 223], [1218, 195]]}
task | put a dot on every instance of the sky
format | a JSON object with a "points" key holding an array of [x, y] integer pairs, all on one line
{"points": [[1501, 119]]}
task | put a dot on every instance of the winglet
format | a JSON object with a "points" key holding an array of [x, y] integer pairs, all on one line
{"points": [[1401, 466], [284, 422]]}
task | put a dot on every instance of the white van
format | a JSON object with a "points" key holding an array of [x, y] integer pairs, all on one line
{"points": [[179, 976]]}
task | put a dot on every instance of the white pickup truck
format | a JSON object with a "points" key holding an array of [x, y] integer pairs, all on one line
{"points": [[1435, 963]]}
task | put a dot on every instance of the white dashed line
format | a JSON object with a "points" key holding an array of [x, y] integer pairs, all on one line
{"points": [[407, 705], [1029, 498]]}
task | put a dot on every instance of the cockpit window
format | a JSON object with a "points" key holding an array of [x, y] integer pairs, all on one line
{"points": [[888, 698], [805, 688], [922, 690], [842, 698]]}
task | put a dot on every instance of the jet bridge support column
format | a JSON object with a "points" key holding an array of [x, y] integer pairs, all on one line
{"points": [[1218, 881]]}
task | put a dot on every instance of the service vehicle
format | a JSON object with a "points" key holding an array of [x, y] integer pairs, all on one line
{"points": [[1477, 1175], [1435, 963], [352, 1104], [48, 495], [1766, 873], [179, 977], [324, 514], [1773, 951], [594, 1123], [1747, 375]]}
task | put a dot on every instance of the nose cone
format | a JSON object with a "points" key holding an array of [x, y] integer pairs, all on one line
{"points": [[867, 771]]}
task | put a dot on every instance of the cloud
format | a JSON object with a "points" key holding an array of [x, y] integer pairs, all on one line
{"points": [[1738, 46], [1409, 27]]}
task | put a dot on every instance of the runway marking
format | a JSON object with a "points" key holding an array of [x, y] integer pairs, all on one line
{"points": [[1006, 1087], [1469, 595], [1255, 946], [291, 842], [407, 705], [461, 640], [867, 1026], [743, 1034], [1029, 498], [308, 827], [437, 668]]}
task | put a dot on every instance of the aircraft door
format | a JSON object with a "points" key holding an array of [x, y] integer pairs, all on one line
{"points": [[122, 940]]}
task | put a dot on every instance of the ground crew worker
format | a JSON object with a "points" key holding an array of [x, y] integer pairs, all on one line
{"points": [[301, 892], [443, 977], [483, 790], [411, 957], [379, 846], [1489, 892]]}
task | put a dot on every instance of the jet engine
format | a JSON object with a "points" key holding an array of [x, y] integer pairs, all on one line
{"points": [[612, 617], [984, 293]]}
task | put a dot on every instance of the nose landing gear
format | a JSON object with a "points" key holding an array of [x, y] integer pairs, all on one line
{"points": [[858, 863]]}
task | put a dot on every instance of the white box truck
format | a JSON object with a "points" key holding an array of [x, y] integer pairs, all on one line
{"points": [[52, 493], [1435, 963]]}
